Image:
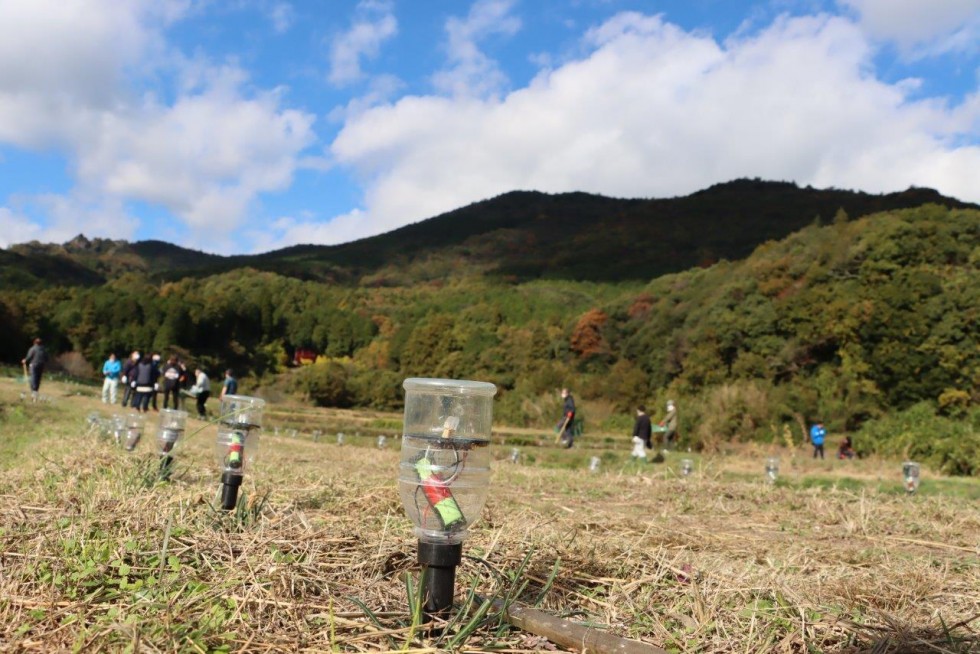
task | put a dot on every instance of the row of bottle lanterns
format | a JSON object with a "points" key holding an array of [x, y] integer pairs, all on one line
{"points": [[317, 434], [910, 469], [444, 469], [127, 430], [910, 473]]}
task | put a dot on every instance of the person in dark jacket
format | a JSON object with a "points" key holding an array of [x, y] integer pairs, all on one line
{"points": [[567, 419], [127, 376], [36, 359], [642, 428], [230, 385], [144, 378], [171, 382], [156, 376]]}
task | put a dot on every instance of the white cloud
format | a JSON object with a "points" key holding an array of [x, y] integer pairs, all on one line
{"points": [[71, 59], [17, 228], [204, 158], [653, 110], [204, 154], [286, 231], [374, 25], [282, 16], [921, 27], [381, 89], [66, 216], [470, 72]]}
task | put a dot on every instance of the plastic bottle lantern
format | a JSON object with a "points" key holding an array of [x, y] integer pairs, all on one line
{"points": [[115, 427], [515, 455], [687, 467], [910, 471], [237, 444], [107, 427], [594, 464], [772, 469], [169, 431], [133, 430], [444, 474], [382, 442]]}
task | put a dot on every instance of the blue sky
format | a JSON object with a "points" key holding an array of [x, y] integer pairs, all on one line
{"points": [[247, 125]]}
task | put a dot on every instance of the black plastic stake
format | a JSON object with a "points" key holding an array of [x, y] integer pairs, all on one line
{"points": [[229, 490], [439, 563], [166, 466]]}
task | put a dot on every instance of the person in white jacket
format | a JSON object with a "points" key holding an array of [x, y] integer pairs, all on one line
{"points": [[201, 390]]}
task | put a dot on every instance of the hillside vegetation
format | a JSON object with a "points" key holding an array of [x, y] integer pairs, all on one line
{"points": [[869, 324]]}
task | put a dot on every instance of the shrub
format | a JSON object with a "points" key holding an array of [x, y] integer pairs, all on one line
{"points": [[919, 433], [326, 383], [738, 411], [75, 365]]}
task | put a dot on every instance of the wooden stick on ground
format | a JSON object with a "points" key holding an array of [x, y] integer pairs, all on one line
{"points": [[568, 634]]}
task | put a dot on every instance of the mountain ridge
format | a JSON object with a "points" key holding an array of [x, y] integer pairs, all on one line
{"points": [[517, 235]]}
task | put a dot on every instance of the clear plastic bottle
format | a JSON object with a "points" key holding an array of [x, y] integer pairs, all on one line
{"points": [[772, 469], [910, 471], [238, 433], [170, 429], [687, 466], [444, 475], [133, 431]]}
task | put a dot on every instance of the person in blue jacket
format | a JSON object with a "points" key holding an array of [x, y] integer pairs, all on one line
{"points": [[817, 436], [111, 371]]}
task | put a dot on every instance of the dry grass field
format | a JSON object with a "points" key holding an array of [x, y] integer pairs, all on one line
{"points": [[96, 555]]}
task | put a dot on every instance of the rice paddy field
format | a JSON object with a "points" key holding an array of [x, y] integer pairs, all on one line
{"points": [[98, 554]]}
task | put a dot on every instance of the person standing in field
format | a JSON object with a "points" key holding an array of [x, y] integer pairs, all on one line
{"points": [[36, 359], [142, 380], [567, 419], [111, 371], [184, 382], [171, 382], [817, 436], [642, 433], [155, 359], [230, 385], [642, 428], [127, 376], [670, 424], [201, 390]]}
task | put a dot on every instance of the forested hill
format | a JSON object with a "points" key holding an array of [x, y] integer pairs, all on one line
{"points": [[517, 236], [869, 323]]}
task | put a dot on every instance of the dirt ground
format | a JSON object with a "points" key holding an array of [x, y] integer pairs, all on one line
{"points": [[97, 555]]}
